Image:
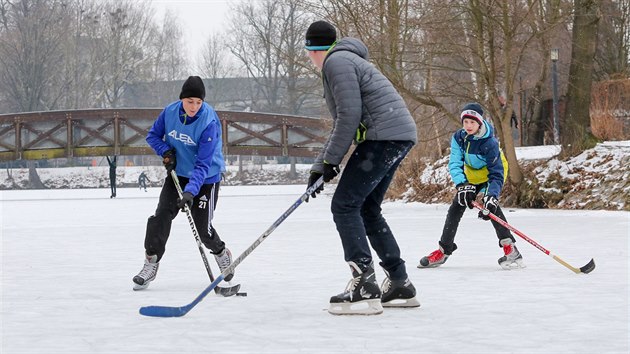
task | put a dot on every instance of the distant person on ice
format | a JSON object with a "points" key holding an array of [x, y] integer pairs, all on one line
{"points": [[366, 110], [112, 174], [187, 135], [477, 166], [142, 181]]}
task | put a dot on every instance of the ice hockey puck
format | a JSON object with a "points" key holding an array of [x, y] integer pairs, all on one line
{"points": [[241, 294]]}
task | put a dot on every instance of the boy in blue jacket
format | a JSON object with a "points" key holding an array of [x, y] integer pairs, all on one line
{"points": [[477, 165], [187, 135]]}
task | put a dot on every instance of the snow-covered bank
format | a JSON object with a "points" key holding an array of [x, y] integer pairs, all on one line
{"points": [[599, 178]]}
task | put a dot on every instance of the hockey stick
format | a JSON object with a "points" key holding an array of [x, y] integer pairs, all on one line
{"points": [[166, 311], [233, 290], [585, 270]]}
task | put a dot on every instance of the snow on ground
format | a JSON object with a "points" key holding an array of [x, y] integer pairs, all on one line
{"points": [[68, 257], [537, 152]]}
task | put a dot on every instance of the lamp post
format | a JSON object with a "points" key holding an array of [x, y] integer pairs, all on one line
{"points": [[554, 83]]}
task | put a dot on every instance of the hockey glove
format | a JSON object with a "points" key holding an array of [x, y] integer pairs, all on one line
{"points": [[168, 159], [311, 181], [466, 194], [186, 199], [330, 172], [490, 204]]}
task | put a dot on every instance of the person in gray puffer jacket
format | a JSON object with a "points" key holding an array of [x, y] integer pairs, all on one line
{"points": [[366, 110]]}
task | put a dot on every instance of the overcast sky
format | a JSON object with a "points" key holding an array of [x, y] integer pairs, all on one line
{"points": [[200, 18]]}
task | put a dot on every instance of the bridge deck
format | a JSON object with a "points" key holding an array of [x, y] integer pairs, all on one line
{"points": [[101, 132]]}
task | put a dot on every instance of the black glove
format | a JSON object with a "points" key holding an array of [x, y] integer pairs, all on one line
{"points": [[491, 204], [330, 172], [168, 159], [466, 194], [186, 199], [311, 181]]}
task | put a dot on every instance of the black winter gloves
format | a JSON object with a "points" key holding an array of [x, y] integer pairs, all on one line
{"points": [[311, 181], [466, 194], [330, 172], [491, 204], [186, 199], [168, 159]]}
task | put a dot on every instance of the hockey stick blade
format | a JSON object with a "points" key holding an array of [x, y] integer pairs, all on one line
{"points": [[229, 291], [589, 267], [164, 311], [167, 311]]}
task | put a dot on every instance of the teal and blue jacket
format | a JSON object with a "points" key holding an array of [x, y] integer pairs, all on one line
{"points": [[478, 160]]}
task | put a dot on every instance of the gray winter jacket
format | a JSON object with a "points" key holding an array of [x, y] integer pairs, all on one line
{"points": [[363, 103]]}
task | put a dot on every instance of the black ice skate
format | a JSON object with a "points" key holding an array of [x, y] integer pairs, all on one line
{"points": [[512, 258], [398, 293], [362, 295], [147, 274]]}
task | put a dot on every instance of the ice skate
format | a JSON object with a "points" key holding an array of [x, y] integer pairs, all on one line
{"points": [[512, 258], [362, 295], [147, 274], [398, 293], [435, 259], [224, 259]]}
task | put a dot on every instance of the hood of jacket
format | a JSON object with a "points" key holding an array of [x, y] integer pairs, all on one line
{"points": [[348, 44]]}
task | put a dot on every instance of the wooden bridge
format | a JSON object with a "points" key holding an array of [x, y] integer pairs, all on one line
{"points": [[102, 132]]}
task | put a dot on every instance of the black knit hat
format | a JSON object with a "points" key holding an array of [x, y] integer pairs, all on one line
{"points": [[472, 111], [320, 35], [193, 87]]}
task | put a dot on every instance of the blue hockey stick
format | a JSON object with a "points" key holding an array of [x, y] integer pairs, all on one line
{"points": [[167, 311]]}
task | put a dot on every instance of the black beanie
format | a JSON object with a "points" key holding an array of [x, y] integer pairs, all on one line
{"points": [[320, 35], [193, 87]]}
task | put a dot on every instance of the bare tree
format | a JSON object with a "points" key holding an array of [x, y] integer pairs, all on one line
{"points": [[612, 59], [126, 31], [83, 61], [441, 54], [31, 52], [214, 61], [268, 41], [577, 135], [168, 45]]}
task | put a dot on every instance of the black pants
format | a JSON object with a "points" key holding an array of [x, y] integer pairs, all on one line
{"points": [[356, 205], [455, 213], [202, 210], [112, 182]]}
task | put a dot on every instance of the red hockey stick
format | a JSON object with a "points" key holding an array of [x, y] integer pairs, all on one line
{"points": [[585, 270]]}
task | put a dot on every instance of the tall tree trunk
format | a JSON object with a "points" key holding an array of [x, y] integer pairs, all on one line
{"points": [[577, 134]]}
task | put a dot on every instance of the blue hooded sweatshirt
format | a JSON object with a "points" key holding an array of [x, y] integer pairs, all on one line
{"points": [[196, 140]]}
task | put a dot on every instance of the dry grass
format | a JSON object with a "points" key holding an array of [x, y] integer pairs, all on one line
{"points": [[608, 104]]}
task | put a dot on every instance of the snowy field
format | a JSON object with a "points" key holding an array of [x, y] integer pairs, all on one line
{"points": [[68, 257]]}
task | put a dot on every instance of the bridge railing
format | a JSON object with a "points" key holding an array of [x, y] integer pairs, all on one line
{"points": [[102, 132]]}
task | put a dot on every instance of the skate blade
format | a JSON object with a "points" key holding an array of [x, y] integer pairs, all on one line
{"points": [[137, 287], [365, 307], [413, 302], [517, 264], [434, 265]]}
